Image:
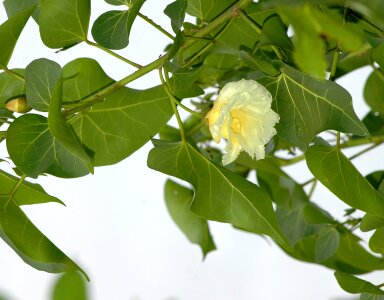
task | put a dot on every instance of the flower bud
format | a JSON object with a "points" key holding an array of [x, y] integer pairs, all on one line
{"points": [[19, 105]]}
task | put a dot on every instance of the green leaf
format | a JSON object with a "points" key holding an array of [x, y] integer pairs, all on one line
{"points": [[64, 23], [34, 150], [220, 195], [28, 193], [374, 91], [70, 286], [183, 83], [112, 29], [354, 285], [274, 32], [83, 77], [309, 51], [10, 31], [207, 10], [374, 122], [327, 243], [308, 106], [178, 200], [12, 7], [378, 55], [176, 12], [41, 75], [11, 87], [62, 132], [259, 61], [376, 242], [351, 61], [28, 242], [367, 296], [371, 222], [340, 176]]}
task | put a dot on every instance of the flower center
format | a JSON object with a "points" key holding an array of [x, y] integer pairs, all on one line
{"points": [[236, 125]]}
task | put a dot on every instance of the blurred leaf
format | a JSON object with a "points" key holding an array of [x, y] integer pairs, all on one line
{"points": [[250, 207], [70, 286], [351, 61], [378, 55], [340, 176], [34, 150], [309, 51], [367, 296], [62, 132], [28, 193], [374, 122], [41, 76], [10, 31], [207, 10], [327, 243], [112, 28], [178, 200], [11, 87], [374, 91], [371, 222], [28, 242], [354, 285], [13, 7], [64, 23], [376, 242], [176, 12], [308, 106]]}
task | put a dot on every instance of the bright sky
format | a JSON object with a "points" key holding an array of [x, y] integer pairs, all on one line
{"points": [[115, 224]]}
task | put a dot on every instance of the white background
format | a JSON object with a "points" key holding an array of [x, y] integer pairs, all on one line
{"points": [[115, 223]]}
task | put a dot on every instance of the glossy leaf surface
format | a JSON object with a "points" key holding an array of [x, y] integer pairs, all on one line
{"points": [[64, 23], [340, 176], [308, 106], [250, 207]]}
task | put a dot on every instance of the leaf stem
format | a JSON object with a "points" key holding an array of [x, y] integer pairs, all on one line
{"points": [[313, 187], [132, 63], [171, 98], [113, 87], [15, 188], [191, 59], [157, 26], [3, 134], [335, 59], [14, 74], [338, 140], [177, 102], [258, 29], [380, 285]]}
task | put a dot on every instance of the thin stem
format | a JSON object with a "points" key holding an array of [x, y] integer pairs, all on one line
{"points": [[365, 150], [258, 28], [338, 140], [133, 64], [312, 188], [380, 285], [14, 74], [177, 102], [190, 60], [111, 88], [335, 59], [178, 118], [3, 134], [16, 187], [308, 182], [157, 26]]}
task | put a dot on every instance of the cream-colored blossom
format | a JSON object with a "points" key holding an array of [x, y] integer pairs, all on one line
{"points": [[242, 114]]}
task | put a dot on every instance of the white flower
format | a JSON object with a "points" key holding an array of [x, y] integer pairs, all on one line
{"points": [[242, 114]]}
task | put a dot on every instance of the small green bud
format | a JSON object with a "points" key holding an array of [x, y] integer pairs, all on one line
{"points": [[19, 105]]}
